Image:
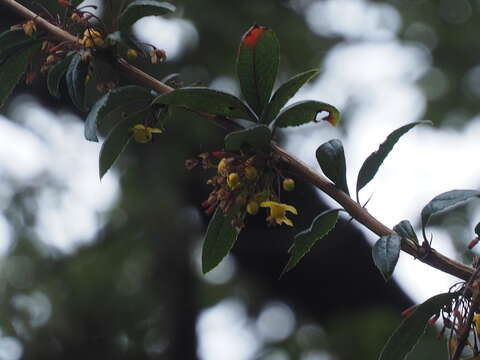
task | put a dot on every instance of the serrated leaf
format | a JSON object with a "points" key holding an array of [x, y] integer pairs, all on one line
{"points": [[121, 97], [257, 137], [257, 65], [331, 158], [139, 9], [285, 93], [219, 239], [12, 39], [56, 73], [304, 241], [13, 68], [303, 112], [374, 160], [208, 100], [407, 335], [445, 201], [405, 230], [75, 77], [385, 254], [116, 141]]}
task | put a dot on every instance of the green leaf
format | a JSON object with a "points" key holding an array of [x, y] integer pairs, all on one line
{"points": [[139, 9], [385, 254], [13, 68], [116, 141], [331, 158], [12, 39], [257, 65], [407, 335], [285, 93], [56, 74], [374, 160], [219, 239], [120, 97], [75, 77], [304, 112], [445, 201], [258, 137], [405, 230], [305, 240], [208, 100]]}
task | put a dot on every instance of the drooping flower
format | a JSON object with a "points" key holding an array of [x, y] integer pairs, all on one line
{"points": [[222, 167], [143, 134], [278, 212], [132, 54], [91, 38], [29, 28]]}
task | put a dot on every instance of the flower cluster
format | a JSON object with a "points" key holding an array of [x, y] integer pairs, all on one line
{"points": [[245, 183], [91, 38]]}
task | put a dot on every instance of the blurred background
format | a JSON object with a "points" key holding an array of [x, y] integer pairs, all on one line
{"points": [[111, 269]]}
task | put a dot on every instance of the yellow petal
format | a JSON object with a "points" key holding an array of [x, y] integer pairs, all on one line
{"points": [[290, 208], [267, 204], [155, 130]]}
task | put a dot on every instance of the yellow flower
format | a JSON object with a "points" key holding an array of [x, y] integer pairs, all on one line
{"points": [[29, 28], [288, 184], [252, 207], [132, 54], [143, 134], [233, 181], [278, 212], [476, 319], [222, 167], [250, 173], [91, 38]]}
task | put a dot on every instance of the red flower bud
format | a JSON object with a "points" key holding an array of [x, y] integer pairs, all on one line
{"points": [[472, 243]]}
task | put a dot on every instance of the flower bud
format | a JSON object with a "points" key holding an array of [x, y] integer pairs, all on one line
{"points": [[233, 181], [143, 134], [252, 207], [29, 27], [288, 184], [222, 167], [50, 59], [251, 173], [132, 54]]}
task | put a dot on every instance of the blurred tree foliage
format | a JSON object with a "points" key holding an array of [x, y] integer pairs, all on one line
{"points": [[136, 292]]}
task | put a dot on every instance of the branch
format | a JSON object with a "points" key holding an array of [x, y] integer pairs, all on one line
{"points": [[429, 256]]}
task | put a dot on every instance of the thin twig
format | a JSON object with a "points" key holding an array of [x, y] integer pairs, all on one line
{"points": [[432, 258]]}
